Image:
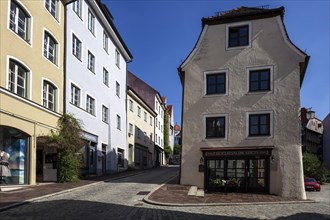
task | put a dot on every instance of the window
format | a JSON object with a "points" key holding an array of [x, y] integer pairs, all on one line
{"points": [[130, 128], [131, 106], [145, 136], [105, 77], [238, 36], [91, 62], [90, 105], [138, 133], [76, 7], [105, 41], [150, 138], [259, 124], [50, 48], [118, 123], [118, 89], [150, 120], [216, 83], [215, 127], [156, 122], [259, 80], [121, 158], [105, 114], [91, 22], [156, 138], [19, 21], [76, 47], [75, 95], [117, 58], [145, 116], [18, 79], [49, 95], [52, 7], [139, 111]]}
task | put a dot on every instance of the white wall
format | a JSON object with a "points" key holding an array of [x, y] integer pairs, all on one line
{"points": [[92, 84]]}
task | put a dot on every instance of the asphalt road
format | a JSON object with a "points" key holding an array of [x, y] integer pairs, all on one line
{"points": [[122, 199]]}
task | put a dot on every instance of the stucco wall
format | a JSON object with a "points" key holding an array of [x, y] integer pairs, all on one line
{"points": [[283, 102]]}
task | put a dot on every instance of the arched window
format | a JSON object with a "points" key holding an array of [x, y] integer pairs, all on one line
{"points": [[19, 21], [50, 48], [18, 78], [49, 95]]}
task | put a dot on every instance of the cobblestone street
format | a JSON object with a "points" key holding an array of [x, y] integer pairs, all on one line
{"points": [[122, 199]]}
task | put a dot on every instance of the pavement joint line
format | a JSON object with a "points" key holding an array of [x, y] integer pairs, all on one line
{"points": [[64, 191]]}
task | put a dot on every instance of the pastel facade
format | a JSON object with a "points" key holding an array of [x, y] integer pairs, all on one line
{"points": [[140, 131], [31, 86], [241, 99], [96, 85]]}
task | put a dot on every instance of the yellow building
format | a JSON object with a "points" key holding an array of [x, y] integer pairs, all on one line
{"points": [[31, 87], [140, 131]]}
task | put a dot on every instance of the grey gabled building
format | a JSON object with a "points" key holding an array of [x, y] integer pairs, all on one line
{"points": [[241, 99]]}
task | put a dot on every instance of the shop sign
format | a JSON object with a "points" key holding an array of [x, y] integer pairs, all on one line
{"points": [[236, 153]]}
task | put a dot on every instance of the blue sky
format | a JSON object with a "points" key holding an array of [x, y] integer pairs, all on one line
{"points": [[161, 34]]}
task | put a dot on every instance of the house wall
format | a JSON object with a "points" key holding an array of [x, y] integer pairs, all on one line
{"points": [[92, 83], [159, 129], [326, 141], [145, 128], [28, 115], [283, 102]]}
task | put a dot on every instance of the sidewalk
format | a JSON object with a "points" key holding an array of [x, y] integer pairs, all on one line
{"points": [[26, 194], [173, 194]]}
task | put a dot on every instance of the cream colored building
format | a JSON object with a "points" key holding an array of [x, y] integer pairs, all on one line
{"points": [[241, 101], [140, 131], [31, 86]]}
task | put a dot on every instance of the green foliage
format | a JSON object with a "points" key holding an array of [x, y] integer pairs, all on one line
{"points": [[313, 167], [167, 148], [168, 152], [177, 149], [69, 141]]}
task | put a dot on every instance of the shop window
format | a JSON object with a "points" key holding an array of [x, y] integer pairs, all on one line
{"points": [[14, 150]]}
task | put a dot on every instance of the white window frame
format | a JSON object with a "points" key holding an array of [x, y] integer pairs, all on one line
{"points": [[47, 47], [271, 77], [74, 94], [14, 82], [49, 6], [76, 47], [117, 58], [131, 105], [226, 115], [105, 114], [90, 104], [91, 22], [130, 129], [105, 77], [271, 124], [249, 24], [91, 61], [46, 84], [139, 111], [118, 89], [14, 21], [118, 122], [218, 71], [105, 41], [77, 8]]}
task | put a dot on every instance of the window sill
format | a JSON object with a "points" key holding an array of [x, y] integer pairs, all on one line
{"points": [[259, 92], [215, 139], [259, 137], [238, 47], [215, 95]]}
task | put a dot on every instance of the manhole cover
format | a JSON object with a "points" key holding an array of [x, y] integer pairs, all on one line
{"points": [[143, 193]]}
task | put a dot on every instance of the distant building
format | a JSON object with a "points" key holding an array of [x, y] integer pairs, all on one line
{"points": [[326, 141], [312, 133], [177, 134], [140, 131], [241, 100], [153, 99]]}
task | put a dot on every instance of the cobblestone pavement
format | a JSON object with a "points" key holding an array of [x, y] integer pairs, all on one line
{"points": [[122, 199]]}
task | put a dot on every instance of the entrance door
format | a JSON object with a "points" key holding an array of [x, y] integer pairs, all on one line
{"points": [[256, 175]]}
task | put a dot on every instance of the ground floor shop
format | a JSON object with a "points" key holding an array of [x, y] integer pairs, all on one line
{"points": [[236, 170]]}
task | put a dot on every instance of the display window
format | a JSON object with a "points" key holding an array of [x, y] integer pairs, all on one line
{"points": [[14, 151]]}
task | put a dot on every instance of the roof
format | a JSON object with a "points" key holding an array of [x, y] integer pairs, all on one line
{"points": [[144, 90], [177, 127], [243, 13], [170, 108]]}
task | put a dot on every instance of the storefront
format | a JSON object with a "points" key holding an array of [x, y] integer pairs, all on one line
{"points": [[14, 154], [236, 169]]}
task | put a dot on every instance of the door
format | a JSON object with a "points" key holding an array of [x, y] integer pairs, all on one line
{"points": [[256, 175]]}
